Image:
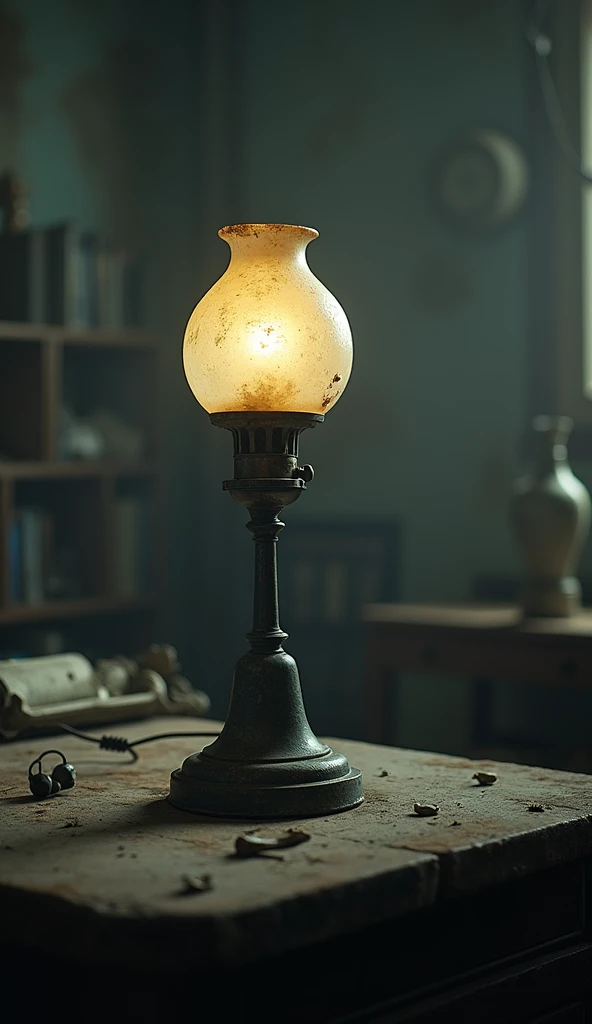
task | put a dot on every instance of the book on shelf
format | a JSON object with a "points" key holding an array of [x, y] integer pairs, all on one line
{"points": [[64, 275], [32, 555], [132, 292], [61, 271], [42, 567], [110, 283], [86, 287], [30, 550], [15, 549], [131, 546], [119, 289], [22, 276]]}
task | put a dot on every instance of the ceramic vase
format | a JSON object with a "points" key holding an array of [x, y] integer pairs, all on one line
{"points": [[550, 515]]}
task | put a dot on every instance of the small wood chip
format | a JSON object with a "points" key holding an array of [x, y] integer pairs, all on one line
{"points": [[485, 778], [193, 884], [251, 845], [425, 810], [536, 807]]}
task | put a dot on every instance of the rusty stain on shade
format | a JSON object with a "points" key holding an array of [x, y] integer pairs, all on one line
{"points": [[267, 395], [328, 397], [268, 336], [254, 230]]}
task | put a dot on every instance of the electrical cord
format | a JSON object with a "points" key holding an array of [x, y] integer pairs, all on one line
{"points": [[124, 746], [542, 46]]}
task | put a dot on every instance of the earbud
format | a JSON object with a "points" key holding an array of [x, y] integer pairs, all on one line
{"points": [[40, 784], [65, 775], [62, 777]]}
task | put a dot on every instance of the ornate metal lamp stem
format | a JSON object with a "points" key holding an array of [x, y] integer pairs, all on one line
{"points": [[266, 636], [267, 762]]}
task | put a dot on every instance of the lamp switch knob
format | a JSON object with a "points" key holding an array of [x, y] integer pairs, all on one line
{"points": [[305, 473]]}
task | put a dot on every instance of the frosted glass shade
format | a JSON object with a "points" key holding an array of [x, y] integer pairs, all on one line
{"points": [[268, 336]]}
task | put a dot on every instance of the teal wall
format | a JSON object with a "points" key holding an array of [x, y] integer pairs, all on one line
{"points": [[162, 122], [346, 105], [341, 123]]}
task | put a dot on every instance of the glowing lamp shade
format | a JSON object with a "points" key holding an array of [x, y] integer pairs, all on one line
{"points": [[268, 336]]}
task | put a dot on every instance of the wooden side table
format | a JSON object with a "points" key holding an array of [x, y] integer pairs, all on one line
{"points": [[481, 913], [483, 642]]}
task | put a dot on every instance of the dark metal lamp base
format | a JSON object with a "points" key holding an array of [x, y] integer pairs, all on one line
{"points": [[205, 785], [266, 762]]}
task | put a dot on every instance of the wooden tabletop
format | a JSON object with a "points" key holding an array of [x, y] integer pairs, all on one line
{"points": [[103, 868], [476, 640], [476, 616]]}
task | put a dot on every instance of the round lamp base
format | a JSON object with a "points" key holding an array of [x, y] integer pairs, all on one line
{"points": [[288, 789]]}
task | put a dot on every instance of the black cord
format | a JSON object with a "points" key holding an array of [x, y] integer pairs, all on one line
{"points": [[542, 45], [122, 745]]}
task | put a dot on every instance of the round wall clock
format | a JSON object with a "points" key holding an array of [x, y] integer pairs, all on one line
{"points": [[481, 181]]}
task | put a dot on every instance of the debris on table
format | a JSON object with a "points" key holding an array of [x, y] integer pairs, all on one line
{"points": [[536, 807], [425, 810], [251, 845], [192, 884], [382, 774], [485, 778]]}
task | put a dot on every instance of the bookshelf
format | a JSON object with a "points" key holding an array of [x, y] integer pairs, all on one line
{"points": [[81, 559]]}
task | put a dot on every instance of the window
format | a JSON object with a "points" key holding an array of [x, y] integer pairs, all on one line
{"points": [[570, 206], [586, 198], [560, 252]]}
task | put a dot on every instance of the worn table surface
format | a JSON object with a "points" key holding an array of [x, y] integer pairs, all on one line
{"points": [[478, 641], [477, 616], [112, 854]]}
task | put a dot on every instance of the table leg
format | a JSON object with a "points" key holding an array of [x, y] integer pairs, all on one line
{"points": [[482, 715], [380, 697]]}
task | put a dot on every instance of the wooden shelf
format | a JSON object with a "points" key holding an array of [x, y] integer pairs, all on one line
{"points": [[124, 338], [97, 523], [58, 610], [78, 469]]}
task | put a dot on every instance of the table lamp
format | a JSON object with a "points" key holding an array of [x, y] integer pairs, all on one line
{"points": [[267, 352]]}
